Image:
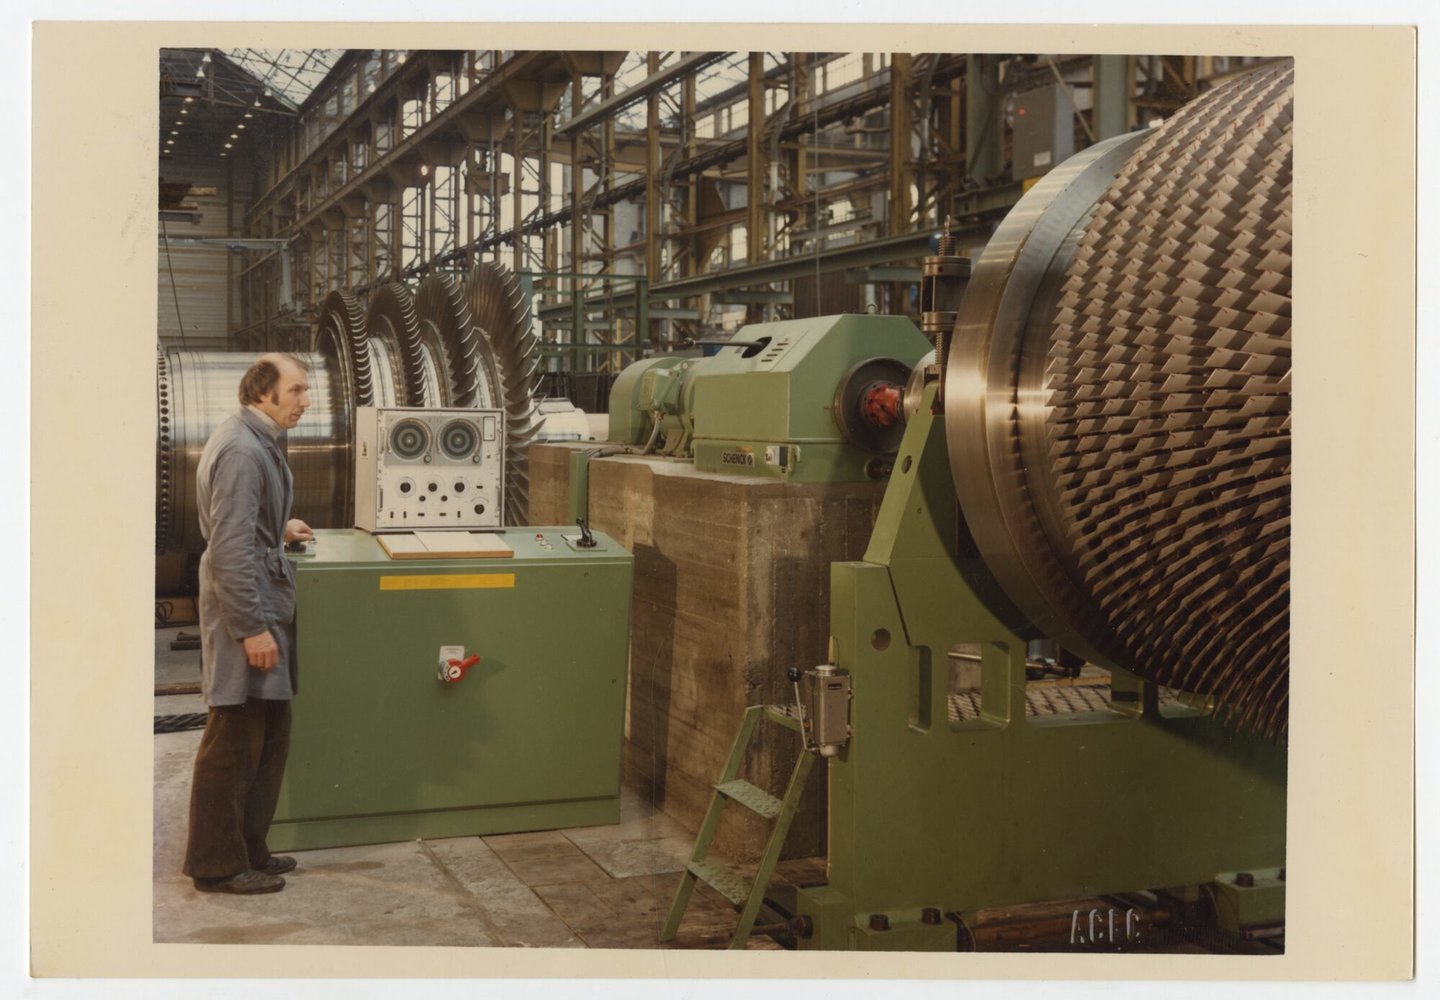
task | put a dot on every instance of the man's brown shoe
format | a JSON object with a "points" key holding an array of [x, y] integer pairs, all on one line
{"points": [[247, 883], [278, 864]]}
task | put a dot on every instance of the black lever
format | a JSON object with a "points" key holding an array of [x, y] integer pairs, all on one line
{"points": [[587, 540]]}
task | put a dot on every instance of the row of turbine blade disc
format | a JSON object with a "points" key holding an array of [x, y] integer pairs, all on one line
{"points": [[458, 341]]}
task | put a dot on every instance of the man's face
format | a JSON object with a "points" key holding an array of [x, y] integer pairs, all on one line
{"points": [[290, 397]]}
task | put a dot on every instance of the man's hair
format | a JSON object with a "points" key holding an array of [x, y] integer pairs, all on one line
{"points": [[261, 378]]}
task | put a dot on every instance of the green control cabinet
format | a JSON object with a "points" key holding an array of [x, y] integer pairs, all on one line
{"points": [[528, 738]]}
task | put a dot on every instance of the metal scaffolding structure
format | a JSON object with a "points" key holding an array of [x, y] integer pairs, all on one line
{"points": [[652, 198]]}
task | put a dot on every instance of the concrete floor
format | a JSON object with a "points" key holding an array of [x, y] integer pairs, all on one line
{"points": [[594, 887]]}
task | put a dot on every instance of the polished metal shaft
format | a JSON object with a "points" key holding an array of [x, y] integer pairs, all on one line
{"points": [[202, 387]]}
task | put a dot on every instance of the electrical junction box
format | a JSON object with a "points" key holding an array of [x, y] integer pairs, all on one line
{"points": [[382, 749], [1044, 130], [429, 469]]}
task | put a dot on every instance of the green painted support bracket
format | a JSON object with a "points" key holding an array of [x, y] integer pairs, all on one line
{"points": [[1004, 809]]}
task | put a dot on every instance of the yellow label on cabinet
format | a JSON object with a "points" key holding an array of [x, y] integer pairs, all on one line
{"points": [[449, 581]]}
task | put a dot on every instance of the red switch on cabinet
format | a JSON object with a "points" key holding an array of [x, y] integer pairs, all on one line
{"points": [[455, 668]]}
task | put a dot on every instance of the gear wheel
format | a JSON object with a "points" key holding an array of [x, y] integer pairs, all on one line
{"points": [[392, 319], [341, 335], [446, 328], [509, 356]]}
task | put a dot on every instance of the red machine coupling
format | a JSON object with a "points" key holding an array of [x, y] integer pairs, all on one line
{"points": [[455, 669], [880, 404]]}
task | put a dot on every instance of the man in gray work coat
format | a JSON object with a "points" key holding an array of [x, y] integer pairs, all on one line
{"points": [[247, 632]]}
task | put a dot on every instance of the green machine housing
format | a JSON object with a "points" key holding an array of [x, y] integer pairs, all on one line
{"points": [[809, 400], [933, 818], [529, 738]]}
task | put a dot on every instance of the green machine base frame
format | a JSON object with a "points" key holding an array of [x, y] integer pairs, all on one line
{"points": [[932, 820], [529, 739]]}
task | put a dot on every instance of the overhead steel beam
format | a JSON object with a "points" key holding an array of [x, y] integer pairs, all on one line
{"points": [[489, 92], [764, 296], [833, 228], [883, 276], [227, 242], [715, 156], [663, 312], [882, 251], [622, 307], [730, 94], [656, 81], [888, 250]]}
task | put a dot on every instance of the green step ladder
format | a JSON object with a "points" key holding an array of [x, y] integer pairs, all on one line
{"points": [[742, 892]]}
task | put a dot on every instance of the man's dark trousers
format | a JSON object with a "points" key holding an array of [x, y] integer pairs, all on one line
{"points": [[238, 770]]}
